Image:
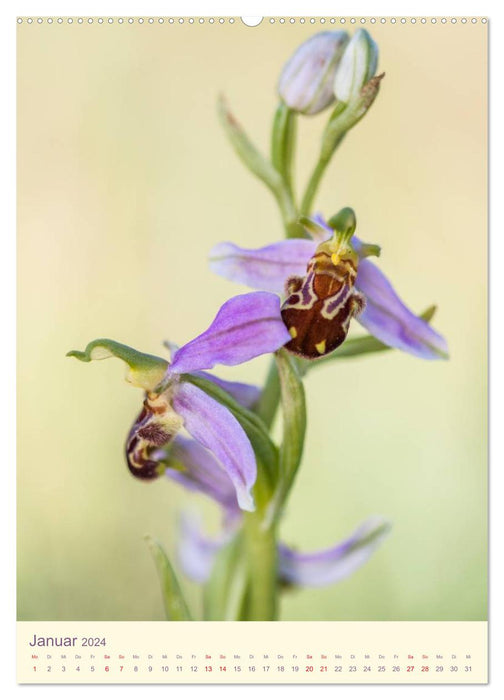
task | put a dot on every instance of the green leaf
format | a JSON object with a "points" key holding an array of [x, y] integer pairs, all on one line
{"points": [[144, 371], [226, 590], [246, 150], [173, 599], [361, 346], [282, 143], [262, 168], [294, 423]]}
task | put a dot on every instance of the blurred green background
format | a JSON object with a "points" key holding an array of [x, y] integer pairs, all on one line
{"points": [[125, 181]]}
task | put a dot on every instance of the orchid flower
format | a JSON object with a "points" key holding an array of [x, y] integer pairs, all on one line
{"points": [[370, 298], [246, 326], [197, 552]]}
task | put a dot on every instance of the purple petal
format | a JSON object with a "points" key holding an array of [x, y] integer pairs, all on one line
{"points": [[332, 565], [265, 268], [389, 320], [247, 395], [202, 473], [212, 425], [245, 327], [196, 551]]}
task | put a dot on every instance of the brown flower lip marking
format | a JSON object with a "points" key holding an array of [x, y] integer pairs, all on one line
{"points": [[320, 306], [148, 432]]}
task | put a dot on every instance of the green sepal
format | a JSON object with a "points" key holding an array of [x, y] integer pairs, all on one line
{"points": [[144, 371], [226, 590], [265, 449], [174, 602], [294, 425]]}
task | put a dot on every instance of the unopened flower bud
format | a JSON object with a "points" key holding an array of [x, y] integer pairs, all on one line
{"points": [[306, 82], [357, 67]]}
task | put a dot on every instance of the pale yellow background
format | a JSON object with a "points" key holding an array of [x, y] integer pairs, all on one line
{"points": [[125, 182]]}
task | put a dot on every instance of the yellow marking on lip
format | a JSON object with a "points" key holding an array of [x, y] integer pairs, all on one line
{"points": [[335, 258], [293, 331], [320, 347]]}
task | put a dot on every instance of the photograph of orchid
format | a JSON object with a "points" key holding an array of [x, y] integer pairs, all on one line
{"points": [[317, 279]]}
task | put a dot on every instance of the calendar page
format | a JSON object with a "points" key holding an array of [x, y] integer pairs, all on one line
{"points": [[274, 229]]}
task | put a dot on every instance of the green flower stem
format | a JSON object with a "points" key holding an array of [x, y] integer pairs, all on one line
{"points": [[315, 179], [312, 187], [261, 557], [270, 396], [343, 118], [226, 590], [290, 216]]}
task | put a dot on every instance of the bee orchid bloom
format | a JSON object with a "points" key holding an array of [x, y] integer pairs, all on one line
{"points": [[197, 552], [365, 293], [246, 326]]}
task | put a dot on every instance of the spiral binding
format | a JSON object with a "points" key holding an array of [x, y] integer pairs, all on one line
{"points": [[239, 20]]}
